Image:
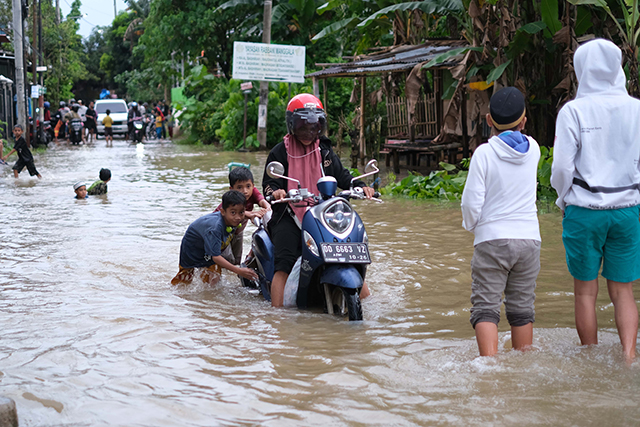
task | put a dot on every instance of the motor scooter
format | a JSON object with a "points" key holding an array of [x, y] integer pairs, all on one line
{"points": [[335, 251], [75, 131], [138, 129]]}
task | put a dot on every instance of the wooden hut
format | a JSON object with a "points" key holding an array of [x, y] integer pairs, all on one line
{"points": [[415, 117]]}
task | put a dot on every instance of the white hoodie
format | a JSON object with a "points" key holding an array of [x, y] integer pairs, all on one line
{"points": [[597, 146], [499, 198]]}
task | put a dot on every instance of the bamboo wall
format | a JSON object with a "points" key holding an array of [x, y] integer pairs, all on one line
{"points": [[424, 117]]}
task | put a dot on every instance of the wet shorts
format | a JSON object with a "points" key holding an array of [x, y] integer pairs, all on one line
{"points": [[31, 167], [609, 237], [108, 131], [508, 266], [209, 275]]}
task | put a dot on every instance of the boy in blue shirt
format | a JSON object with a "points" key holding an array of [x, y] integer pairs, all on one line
{"points": [[205, 240]]}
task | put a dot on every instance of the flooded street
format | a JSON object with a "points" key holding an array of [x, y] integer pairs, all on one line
{"points": [[93, 334]]}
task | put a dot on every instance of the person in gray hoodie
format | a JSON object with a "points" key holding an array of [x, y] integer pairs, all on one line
{"points": [[499, 208], [596, 174]]}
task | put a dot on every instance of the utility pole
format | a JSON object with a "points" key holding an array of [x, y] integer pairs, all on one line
{"points": [[18, 30], [34, 66], [115, 12], [264, 86], [58, 11]]}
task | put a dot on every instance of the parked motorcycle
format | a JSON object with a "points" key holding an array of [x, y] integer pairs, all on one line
{"points": [[47, 132], [75, 131], [335, 251]]}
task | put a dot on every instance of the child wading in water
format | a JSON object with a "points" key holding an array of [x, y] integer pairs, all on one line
{"points": [[241, 179], [80, 190], [25, 158], [499, 207], [206, 239], [100, 186], [595, 172]]}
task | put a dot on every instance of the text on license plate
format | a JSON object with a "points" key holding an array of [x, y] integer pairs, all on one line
{"points": [[346, 252]]}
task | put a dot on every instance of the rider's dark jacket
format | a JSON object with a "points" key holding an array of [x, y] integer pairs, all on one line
{"points": [[330, 163]]}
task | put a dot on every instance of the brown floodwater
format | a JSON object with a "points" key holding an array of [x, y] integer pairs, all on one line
{"points": [[92, 333]]}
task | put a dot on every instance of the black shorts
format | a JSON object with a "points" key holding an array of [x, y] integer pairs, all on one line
{"points": [[31, 167], [108, 131], [285, 236], [90, 125]]}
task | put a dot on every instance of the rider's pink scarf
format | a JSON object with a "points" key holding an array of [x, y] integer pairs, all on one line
{"points": [[305, 165]]}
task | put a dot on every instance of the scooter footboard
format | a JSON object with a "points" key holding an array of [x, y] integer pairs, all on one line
{"points": [[343, 276]]}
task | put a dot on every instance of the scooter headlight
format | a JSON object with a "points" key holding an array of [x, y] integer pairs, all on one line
{"points": [[339, 216], [311, 244]]}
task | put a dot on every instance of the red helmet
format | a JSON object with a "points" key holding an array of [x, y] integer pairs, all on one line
{"points": [[306, 119]]}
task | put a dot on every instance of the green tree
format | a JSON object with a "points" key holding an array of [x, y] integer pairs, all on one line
{"points": [[63, 51], [118, 56]]}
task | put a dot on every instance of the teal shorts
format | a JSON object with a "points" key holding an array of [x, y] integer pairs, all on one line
{"points": [[608, 237]]}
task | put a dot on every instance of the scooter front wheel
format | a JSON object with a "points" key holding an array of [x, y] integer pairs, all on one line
{"points": [[354, 306]]}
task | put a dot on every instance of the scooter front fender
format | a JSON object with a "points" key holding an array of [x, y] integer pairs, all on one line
{"points": [[343, 276], [264, 251]]}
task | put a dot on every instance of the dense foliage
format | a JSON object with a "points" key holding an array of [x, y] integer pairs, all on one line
{"points": [[156, 45], [448, 183]]}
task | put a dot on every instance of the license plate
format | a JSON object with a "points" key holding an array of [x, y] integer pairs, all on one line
{"points": [[357, 253]]}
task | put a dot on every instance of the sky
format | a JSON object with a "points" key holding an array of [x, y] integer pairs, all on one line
{"points": [[99, 13]]}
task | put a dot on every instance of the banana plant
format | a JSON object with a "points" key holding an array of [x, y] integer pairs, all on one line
{"points": [[375, 20]]}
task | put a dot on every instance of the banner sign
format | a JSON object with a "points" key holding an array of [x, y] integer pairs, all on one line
{"points": [[268, 62]]}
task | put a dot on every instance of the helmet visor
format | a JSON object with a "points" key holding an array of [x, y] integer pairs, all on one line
{"points": [[308, 125]]}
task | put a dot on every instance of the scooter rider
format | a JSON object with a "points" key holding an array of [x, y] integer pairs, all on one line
{"points": [[134, 113], [304, 153], [59, 127], [73, 114]]}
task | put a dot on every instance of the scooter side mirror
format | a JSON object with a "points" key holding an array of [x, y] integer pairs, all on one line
{"points": [[275, 170], [372, 166], [370, 169]]}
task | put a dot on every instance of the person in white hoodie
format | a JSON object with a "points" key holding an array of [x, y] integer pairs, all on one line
{"points": [[499, 207], [596, 174]]}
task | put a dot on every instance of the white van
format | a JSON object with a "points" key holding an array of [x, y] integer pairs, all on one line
{"points": [[119, 112]]}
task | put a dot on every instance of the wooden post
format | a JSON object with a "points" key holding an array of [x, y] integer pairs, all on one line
{"points": [[264, 86], [324, 98], [410, 127], [396, 161], [363, 92], [324, 103], [463, 111], [246, 101], [438, 92]]}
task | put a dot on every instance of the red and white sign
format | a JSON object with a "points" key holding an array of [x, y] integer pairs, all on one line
{"points": [[246, 86]]}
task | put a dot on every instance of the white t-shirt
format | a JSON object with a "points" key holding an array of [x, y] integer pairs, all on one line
{"points": [[82, 112]]}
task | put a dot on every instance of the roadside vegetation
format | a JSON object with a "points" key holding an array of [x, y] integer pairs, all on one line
{"points": [[448, 183]]}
